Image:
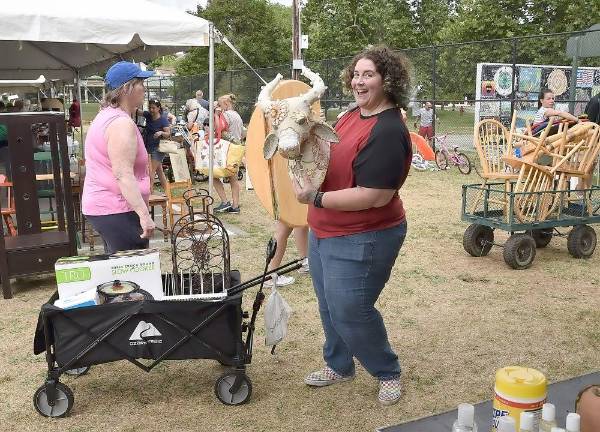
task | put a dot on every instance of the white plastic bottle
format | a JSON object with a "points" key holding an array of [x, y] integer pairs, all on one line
{"points": [[573, 420], [466, 419], [548, 418], [527, 422], [557, 429], [506, 424]]}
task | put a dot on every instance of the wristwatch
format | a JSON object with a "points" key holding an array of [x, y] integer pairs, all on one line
{"points": [[317, 201]]}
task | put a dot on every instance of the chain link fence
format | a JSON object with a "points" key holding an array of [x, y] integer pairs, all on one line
{"points": [[465, 82]]}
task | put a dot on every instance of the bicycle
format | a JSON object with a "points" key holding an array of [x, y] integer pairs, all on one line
{"points": [[444, 157]]}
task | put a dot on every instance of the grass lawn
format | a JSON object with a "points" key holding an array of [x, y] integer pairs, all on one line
{"points": [[453, 122], [89, 111], [453, 320]]}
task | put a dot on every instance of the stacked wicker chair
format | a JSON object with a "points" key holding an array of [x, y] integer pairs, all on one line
{"points": [[545, 165]]}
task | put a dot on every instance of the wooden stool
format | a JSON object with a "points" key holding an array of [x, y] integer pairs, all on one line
{"points": [[160, 200]]}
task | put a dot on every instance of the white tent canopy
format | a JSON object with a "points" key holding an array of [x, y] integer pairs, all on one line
{"points": [[39, 82], [61, 39]]}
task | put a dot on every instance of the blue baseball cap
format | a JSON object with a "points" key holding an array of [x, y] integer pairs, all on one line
{"points": [[124, 71]]}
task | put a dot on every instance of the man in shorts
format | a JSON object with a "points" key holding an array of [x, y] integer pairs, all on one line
{"points": [[425, 118]]}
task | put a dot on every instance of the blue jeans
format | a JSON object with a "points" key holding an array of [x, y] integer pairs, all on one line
{"points": [[348, 274]]}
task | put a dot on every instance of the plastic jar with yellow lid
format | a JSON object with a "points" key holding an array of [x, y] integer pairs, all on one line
{"points": [[518, 389]]}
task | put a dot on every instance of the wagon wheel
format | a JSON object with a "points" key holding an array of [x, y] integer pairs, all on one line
{"points": [[224, 385], [61, 406], [76, 372], [581, 241], [478, 240], [441, 160], [519, 251], [542, 237], [464, 164]]}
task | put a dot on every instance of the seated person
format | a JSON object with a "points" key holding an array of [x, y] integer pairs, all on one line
{"points": [[545, 111]]}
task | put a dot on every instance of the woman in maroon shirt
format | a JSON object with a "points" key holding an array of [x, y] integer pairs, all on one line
{"points": [[358, 224]]}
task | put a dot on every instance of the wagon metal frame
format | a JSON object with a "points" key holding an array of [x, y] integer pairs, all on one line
{"points": [[492, 206]]}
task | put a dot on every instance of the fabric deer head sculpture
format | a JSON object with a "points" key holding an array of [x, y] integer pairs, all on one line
{"points": [[293, 124]]}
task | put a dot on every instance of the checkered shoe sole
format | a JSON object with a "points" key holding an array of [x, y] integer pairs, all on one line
{"points": [[390, 391], [325, 377]]}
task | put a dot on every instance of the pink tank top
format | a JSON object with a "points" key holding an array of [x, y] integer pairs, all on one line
{"points": [[101, 193]]}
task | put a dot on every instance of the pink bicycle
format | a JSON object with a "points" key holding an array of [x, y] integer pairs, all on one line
{"points": [[445, 158]]}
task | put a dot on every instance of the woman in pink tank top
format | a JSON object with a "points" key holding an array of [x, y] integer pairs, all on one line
{"points": [[117, 185]]}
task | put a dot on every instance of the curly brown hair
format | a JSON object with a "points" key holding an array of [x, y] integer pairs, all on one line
{"points": [[395, 70]]}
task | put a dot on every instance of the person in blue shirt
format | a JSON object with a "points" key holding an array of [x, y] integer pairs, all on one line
{"points": [[157, 128]]}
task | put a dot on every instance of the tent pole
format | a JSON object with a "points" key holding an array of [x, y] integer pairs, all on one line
{"points": [[80, 112], [211, 101]]}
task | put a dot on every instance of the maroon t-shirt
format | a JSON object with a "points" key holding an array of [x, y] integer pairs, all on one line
{"points": [[373, 152]]}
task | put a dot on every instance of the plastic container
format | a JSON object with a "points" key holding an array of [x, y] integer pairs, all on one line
{"points": [[518, 389], [548, 418], [557, 429], [466, 419], [573, 422], [507, 424], [527, 422]]}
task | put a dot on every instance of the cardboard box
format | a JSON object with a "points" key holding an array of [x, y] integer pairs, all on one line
{"points": [[87, 298], [75, 275]]}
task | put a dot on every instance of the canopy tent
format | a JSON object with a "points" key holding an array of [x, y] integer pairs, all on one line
{"points": [[66, 40], [22, 86], [61, 39], [39, 82]]}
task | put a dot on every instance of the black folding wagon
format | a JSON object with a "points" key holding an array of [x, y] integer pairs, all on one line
{"points": [[184, 325]]}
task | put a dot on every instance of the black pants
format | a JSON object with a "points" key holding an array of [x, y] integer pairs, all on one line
{"points": [[119, 231]]}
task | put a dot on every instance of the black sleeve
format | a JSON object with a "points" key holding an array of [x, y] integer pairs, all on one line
{"points": [[381, 163], [592, 109]]}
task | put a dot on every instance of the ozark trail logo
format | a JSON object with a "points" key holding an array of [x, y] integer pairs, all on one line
{"points": [[145, 333]]}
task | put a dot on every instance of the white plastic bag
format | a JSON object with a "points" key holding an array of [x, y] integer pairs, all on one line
{"points": [[277, 315]]}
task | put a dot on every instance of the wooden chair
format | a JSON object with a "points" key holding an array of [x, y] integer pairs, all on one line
{"points": [[162, 201], [572, 153], [175, 201], [576, 157], [533, 197], [493, 143], [9, 211]]}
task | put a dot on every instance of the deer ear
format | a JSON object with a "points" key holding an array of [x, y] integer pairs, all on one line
{"points": [[325, 132], [270, 147]]}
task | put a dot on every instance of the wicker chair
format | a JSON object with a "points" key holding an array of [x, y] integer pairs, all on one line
{"points": [[493, 143]]}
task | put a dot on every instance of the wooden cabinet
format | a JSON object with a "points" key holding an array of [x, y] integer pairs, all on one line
{"points": [[34, 250]]}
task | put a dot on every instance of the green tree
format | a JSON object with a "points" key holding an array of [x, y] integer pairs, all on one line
{"points": [[429, 17], [343, 27], [256, 28], [478, 20]]}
